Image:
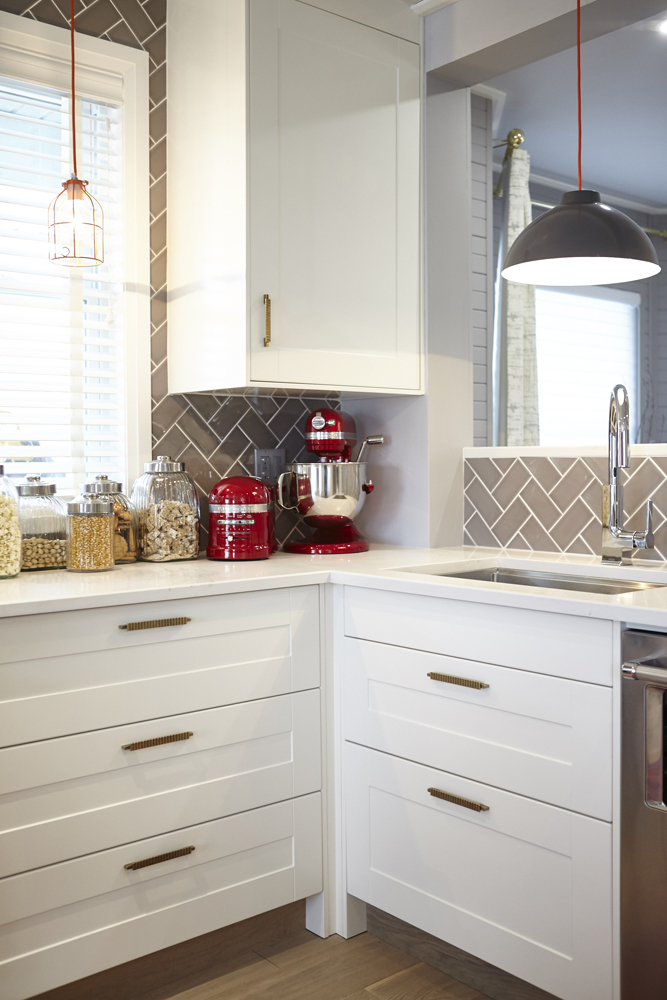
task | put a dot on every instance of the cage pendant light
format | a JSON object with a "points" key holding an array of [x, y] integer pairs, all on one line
{"points": [[75, 224], [581, 241]]}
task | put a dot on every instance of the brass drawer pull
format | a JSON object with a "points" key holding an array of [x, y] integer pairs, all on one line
{"points": [[457, 800], [267, 320], [158, 623], [158, 859], [157, 742], [461, 681]]}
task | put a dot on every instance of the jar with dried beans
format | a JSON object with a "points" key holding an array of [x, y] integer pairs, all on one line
{"points": [[43, 525]]}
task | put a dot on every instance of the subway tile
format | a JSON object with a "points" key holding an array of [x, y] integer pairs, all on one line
{"points": [[468, 474], [199, 432], [158, 122], [121, 33], [265, 406], [511, 521], [518, 542], [205, 404], [157, 11], [592, 535], [468, 510], [571, 524], [49, 13], [159, 271], [579, 547], [544, 471], [97, 18], [136, 17], [503, 464], [224, 457], [229, 414], [599, 467], [159, 382], [291, 412], [157, 84], [159, 233], [16, 6], [156, 46], [480, 534], [511, 484], [643, 482], [486, 470], [158, 309], [538, 539], [571, 485], [198, 468], [293, 444], [158, 167], [159, 345], [481, 499], [563, 464], [158, 197], [166, 413], [541, 505], [257, 430], [172, 443], [592, 496]]}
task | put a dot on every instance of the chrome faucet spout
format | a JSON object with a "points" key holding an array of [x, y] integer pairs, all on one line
{"points": [[615, 539]]}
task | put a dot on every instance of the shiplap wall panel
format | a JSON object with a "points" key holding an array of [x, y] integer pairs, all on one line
{"points": [[482, 279]]}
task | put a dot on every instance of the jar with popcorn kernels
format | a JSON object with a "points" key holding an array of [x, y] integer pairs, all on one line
{"points": [[90, 535]]}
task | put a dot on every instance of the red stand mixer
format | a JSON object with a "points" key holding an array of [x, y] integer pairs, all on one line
{"points": [[330, 492]]}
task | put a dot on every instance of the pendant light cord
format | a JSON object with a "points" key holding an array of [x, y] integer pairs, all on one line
{"points": [[578, 80], [73, 106]]}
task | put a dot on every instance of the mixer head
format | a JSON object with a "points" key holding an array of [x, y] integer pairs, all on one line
{"points": [[331, 435]]}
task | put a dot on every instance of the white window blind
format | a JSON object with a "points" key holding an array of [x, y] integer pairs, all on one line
{"points": [[61, 329], [587, 342]]}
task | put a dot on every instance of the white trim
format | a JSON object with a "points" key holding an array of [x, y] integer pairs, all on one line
{"points": [[607, 292], [39, 53], [497, 98]]}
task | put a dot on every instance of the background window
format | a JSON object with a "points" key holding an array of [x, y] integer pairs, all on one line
{"points": [[587, 342], [61, 329]]}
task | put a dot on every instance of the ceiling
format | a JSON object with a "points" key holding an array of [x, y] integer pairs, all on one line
{"points": [[624, 86]]}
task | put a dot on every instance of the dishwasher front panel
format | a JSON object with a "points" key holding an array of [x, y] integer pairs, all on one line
{"points": [[643, 818]]}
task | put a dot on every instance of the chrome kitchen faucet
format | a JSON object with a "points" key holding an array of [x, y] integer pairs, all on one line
{"points": [[615, 539]]}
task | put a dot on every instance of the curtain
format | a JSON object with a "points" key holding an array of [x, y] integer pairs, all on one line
{"points": [[515, 355]]}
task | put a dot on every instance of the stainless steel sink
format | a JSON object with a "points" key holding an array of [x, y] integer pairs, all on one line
{"points": [[554, 581]]}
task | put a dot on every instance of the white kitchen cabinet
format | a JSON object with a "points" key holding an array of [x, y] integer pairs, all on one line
{"points": [[522, 885], [294, 173]]}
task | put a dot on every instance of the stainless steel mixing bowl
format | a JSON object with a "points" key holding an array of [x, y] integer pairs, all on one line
{"points": [[328, 490]]}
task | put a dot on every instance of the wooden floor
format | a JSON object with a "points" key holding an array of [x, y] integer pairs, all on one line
{"points": [[305, 967]]}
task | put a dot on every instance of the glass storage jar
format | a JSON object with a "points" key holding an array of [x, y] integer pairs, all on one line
{"points": [[43, 520], [124, 516], [167, 512], [10, 531], [89, 535]]}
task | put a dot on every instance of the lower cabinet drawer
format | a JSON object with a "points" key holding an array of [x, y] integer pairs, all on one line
{"points": [[522, 885], [86, 793], [73, 919], [545, 737]]}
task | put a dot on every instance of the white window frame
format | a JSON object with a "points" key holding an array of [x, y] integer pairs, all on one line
{"points": [[40, 54]]}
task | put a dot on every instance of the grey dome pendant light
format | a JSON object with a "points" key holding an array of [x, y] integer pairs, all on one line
{"points": [[581, 241]]}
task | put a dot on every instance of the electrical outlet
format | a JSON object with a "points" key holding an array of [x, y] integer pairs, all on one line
{"points": [[269, 463]]}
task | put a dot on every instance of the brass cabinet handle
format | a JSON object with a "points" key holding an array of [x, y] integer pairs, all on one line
{"points": [[457, 800], [158, 859], [157, 742], [157, 623], [267, 320], [461, 681]]}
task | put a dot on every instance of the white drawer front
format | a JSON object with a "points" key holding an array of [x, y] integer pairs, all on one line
{"points": [[545, 737], [561, 645], [99, 795], [100, 914], [524, 886], [271, 648]]}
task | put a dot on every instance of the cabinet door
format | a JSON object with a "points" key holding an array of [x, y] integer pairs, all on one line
{"points": [[522, 885], [334, 200]]}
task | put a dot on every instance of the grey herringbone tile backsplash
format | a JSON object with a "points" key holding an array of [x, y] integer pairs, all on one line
{"points": [[555, 504], [214, 435]]}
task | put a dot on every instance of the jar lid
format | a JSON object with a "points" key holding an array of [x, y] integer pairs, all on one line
{"points": [[81, 506], [102, 484], [34, 487], [164, 463]]}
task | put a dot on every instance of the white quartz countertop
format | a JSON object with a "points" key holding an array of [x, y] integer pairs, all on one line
{"points": [[384, 567]]}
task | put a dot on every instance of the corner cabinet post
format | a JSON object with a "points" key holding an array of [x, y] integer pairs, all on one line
{"points": [[294, 177]]}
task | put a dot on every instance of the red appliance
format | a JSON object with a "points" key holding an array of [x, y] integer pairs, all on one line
{"points": [[331, 434], [241, 520]]}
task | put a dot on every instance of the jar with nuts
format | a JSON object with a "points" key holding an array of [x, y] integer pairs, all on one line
{"points": [[90, 535], [124, 514], [10, 531], [43, 525], [167, 511]]}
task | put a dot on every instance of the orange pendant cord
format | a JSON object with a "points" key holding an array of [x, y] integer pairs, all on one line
{"points": [[73, 110], [578, 78]]}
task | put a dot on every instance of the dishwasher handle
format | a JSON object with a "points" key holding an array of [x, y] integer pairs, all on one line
{"points": [[635, 670]]}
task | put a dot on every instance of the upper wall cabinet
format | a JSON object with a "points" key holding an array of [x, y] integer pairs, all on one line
{"points": [[294, 200]]}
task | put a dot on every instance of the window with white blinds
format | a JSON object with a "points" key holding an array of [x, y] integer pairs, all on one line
{"points": [[62, 407], [587, 342]]}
